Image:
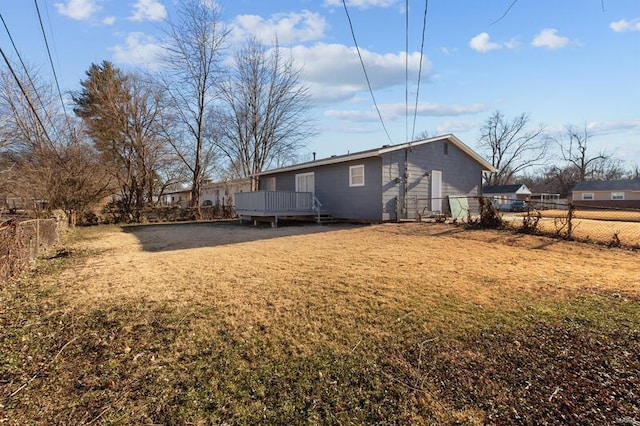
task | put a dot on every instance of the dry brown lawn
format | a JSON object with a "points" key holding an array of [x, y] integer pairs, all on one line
{"points": [[603, 226], [407, 323], [241, 270], [601, 214]]}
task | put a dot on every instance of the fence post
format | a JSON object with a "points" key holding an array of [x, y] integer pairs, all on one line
{"points": [[569, 220], [37, 237]]}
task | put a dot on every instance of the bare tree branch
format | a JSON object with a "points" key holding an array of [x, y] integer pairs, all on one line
{"points": [[197, 40], [263, 120], [512, 147]]}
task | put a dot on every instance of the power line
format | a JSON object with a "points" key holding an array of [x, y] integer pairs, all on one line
{"points": [[424, 29], [53, 68], [506, 12], [26, 71], [24, 93], [364, 69], [406, 72]]}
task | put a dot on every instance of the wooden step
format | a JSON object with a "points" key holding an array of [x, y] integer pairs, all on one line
{"points": [[324, 218]]}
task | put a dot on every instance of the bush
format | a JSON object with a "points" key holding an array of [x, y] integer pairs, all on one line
{"points": [[530, 222], [490, 217]]}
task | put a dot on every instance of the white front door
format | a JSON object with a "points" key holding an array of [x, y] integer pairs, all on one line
{"points": [[436, 191], [305, 182]]}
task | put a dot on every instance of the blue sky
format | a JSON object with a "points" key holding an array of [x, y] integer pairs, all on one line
{"points": [[562, 62]]}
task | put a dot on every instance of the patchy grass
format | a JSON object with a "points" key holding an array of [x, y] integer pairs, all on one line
{"points": [[409, 324]]}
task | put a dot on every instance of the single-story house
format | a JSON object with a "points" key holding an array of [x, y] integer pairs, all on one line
{"points": [[404, 181], [504, 194], [221, 193], [211, 193], [624, 193], [177, 194]]}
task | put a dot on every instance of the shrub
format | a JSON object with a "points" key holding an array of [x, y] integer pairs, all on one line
{"points": [[490, 217]]}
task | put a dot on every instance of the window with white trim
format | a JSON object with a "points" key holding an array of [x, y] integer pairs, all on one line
{"points": [[617, 195], [356, 175], [587, 196], [305, 182]]}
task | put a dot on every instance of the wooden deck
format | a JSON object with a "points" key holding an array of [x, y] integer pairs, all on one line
{"points": [[273, 205]]}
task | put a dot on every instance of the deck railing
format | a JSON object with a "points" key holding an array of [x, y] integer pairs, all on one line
{"points": [[266, 203]]}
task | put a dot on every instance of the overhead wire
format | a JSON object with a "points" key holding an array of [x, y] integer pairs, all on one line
{"points": [[26, 70], [26, 96], [364, 69], [53, 69], [406, 72], [424, 30], [513, 3]]}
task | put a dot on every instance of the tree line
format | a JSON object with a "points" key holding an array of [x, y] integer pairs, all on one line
{"points": [[545, 163], [210, 111]]}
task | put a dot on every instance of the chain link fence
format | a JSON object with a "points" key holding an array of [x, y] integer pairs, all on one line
{"points": [[23, 241], [616, 227]]}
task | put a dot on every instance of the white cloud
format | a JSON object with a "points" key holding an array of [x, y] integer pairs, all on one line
{"points": [[435, 110], [623, 25], [109, 20], [334, 73], [148, 10], [352, 115], [362, 4], [397, 110], [78, 9], [457, 126], [448, 51], [287, 28], [614, 126], [140, 50], [512, 44], [549, 39], [482, 43]]}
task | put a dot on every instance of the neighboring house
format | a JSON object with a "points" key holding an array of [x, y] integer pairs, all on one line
{"points": [[211, 193], [221, 193], [176, 195], [390, 183], [505, 194], [611, 193]]}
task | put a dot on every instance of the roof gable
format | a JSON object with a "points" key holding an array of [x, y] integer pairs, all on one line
{"points": [[506, 189], [383, 150], [609, 185]]}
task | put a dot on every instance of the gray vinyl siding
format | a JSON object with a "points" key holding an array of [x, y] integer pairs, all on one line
{"points": [[333, 190], [384, 183], [461, 175]]}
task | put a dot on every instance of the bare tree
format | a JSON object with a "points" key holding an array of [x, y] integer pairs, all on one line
{"points": [[49, 163], [196, 43], [122, 115], [574, 150], [634, 172], [264, 119], [512, 147]]}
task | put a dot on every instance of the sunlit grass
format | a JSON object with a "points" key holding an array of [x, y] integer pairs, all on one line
{"points": [[409, 324]]}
